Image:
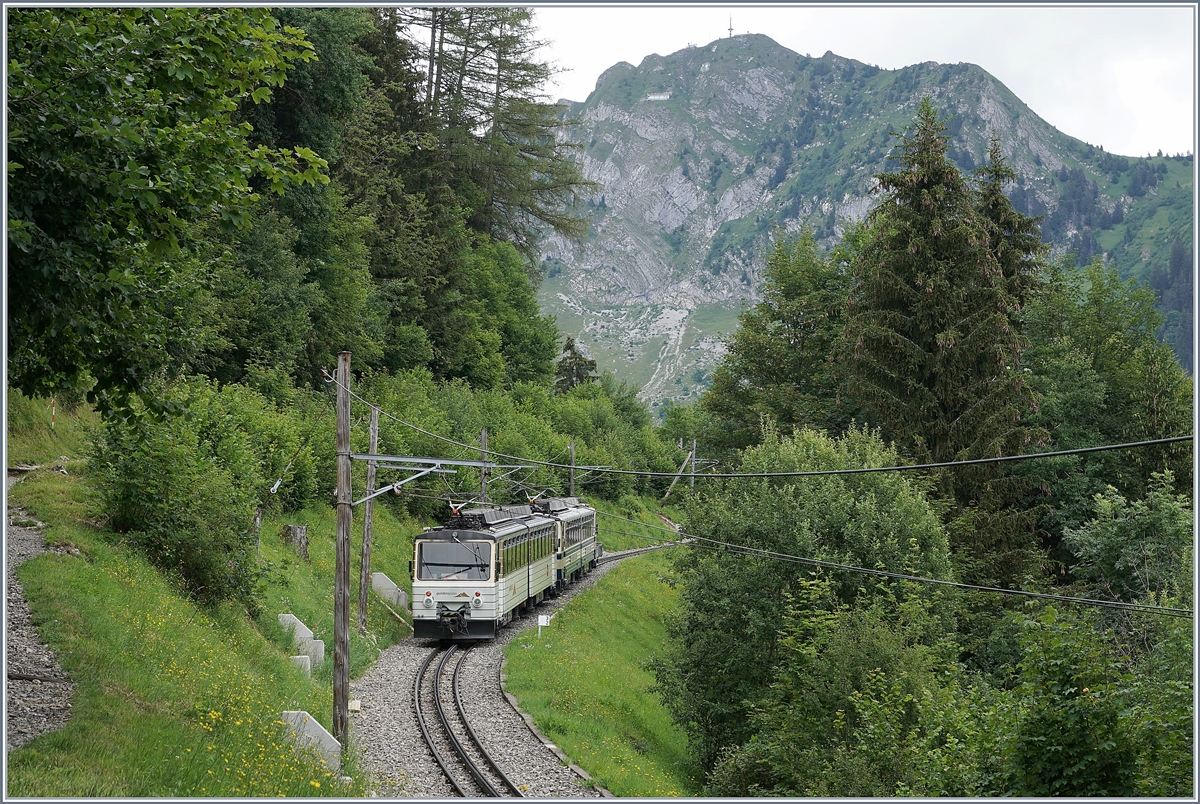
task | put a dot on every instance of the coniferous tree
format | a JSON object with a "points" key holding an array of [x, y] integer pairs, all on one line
{"points": [[514, 171], [573, 368], [932, 343]]}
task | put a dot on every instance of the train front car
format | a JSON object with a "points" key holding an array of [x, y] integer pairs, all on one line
{"points": [[455, 590]]}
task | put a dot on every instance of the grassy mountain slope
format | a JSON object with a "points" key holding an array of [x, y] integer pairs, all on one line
{"points": [[173, 699]]}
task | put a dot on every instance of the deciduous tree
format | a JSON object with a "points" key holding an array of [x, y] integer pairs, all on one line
{"points": [[121, 135]]}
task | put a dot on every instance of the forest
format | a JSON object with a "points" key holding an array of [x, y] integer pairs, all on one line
{"points": [[207, 205]]}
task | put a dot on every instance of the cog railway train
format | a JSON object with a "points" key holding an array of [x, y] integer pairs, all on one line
{"points": [[472, 575]]}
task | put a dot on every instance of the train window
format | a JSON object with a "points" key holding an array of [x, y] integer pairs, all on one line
{"points": [[454, 561]]}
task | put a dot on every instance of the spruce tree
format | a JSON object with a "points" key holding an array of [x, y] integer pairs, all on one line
{"points": [[932, 344], [573, 368]]}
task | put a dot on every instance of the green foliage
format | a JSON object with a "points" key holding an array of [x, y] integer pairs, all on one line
{"points": [[260, 302], [861, 698], [725, 639], [1132, 550], [184, 489], [1161, 700], [779, 360], [121, 135], [1102, 378], [1071, 738], [319, 93]]}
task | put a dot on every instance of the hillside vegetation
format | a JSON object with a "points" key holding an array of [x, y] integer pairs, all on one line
{"points": [[214, 203]]}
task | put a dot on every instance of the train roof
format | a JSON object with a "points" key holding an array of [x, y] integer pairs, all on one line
{"points": [[487, 523], [555, 505]]}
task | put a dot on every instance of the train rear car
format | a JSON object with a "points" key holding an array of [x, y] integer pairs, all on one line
{"points": [[576, 544]]}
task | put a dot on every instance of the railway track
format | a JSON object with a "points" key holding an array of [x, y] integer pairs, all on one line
{"points": [[468, 766], [610, 557]]}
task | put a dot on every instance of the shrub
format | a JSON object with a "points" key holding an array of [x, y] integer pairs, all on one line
{"points": [[184, 488], [179, 506]]}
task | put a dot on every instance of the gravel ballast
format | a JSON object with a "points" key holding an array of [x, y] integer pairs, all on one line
{"points": [[390, 745], [37, 694]]}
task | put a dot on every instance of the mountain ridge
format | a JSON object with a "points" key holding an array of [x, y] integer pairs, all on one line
{"points": [[703, 156]]}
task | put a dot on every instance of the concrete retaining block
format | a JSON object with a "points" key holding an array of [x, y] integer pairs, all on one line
{"points": [[388, 590], [302, 635], [304, 662], [311, 734], [291, 622]]}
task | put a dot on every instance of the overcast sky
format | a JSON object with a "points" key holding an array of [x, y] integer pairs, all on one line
{"points": [[1119, 76]]}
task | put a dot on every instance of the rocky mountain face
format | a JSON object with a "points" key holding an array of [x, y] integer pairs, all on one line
{"points": [[704, 156]]}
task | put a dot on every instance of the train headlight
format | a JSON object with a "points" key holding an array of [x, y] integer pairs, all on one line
{"points": [[477, 601], [429, 600]]}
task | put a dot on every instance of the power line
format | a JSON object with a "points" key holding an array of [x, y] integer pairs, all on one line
{"points": [[719, 546], [811, 473], [728, 547]]}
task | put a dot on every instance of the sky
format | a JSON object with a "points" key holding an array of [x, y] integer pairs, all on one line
{"points": [[1119, 76]]}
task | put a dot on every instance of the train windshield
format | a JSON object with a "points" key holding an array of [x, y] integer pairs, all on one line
{"points": [[454, 561]]}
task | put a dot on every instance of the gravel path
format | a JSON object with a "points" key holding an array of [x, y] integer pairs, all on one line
{"points": [[391, 747], [34, 706]]}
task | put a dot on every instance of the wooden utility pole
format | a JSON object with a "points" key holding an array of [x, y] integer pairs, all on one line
{"points": [[693, 463], [483, 472], [679, 474], [364, 575], [341, 572], [572, 444]]}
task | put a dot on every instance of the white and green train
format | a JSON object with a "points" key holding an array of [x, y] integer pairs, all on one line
{"points": [[471, 576]]}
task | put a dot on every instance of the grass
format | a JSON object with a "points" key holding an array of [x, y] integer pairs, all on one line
{"points": [[177, 700], [617, 533], [586, 684], [173, 699], [307, 593], [34, 438]]}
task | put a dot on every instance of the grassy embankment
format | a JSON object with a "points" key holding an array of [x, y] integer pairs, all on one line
{"points": [[586, 684], [178, 700], [172, 699]]}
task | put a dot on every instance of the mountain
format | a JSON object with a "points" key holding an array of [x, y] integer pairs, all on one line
{"points": [[704, 155]]}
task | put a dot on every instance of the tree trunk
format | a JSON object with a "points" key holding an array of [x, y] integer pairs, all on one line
{"points": [[297, 537]]}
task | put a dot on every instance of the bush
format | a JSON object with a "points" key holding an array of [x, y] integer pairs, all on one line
{"points": [[180, 507], [1072, 736], [184, 489]]}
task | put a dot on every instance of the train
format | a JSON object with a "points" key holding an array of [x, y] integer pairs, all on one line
{"points": [[487, 564]]}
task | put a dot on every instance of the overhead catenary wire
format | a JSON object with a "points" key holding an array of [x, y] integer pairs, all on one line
{"points": [[728, 547], [807, 473]]}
